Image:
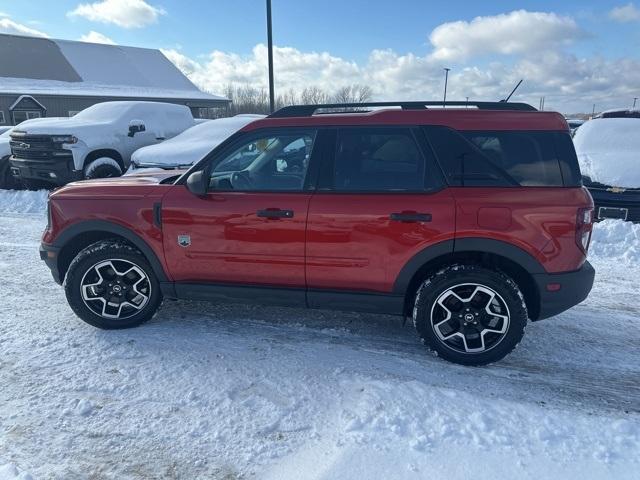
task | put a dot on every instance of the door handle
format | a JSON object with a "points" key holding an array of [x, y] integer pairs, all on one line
{"points": [[275, 213], [409, 217]]}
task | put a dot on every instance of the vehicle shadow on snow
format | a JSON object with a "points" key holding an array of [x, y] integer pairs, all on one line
{"points": [[550, 365]]}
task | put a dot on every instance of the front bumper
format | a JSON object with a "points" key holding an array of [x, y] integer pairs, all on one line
{"points": [[561, 291], [50, 254], [58, 171]]}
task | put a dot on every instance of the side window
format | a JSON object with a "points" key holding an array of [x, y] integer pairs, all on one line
{"points": [[276, 162], [527, 157], [377, 159], [463, 163], [498, 159]]}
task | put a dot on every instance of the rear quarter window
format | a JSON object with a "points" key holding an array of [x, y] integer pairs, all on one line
{"points": [[505, 158]]}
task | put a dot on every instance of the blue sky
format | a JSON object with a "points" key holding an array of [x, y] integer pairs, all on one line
{"points": [[351, 31]]}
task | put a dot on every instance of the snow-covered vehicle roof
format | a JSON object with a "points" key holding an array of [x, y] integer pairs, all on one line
{"points": [[191, 145], [609, 151], [619, 113], [165, 119]]}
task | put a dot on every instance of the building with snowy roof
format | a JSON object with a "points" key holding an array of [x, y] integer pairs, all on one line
{"points": [[57, 78]]}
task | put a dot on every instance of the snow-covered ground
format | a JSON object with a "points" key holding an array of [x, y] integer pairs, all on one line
{"points": [[235, 391]]}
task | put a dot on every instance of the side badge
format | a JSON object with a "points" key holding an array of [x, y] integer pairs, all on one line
{"points": [[184, 240]]}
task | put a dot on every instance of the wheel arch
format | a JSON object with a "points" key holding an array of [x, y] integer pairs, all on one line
{"points": [[79, 236], [104, 152], [512, 260]]}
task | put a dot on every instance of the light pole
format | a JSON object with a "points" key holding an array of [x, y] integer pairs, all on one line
{"points": [[446, 80], [272, 100], [635, 99]]}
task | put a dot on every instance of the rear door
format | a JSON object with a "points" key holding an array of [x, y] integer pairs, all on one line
{"points": [[249, 229], [380, 200]]}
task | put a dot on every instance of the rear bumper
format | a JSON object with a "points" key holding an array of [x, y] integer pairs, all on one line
{"points": [[574, 287]]}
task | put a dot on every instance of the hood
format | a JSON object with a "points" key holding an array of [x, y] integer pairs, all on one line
{"points": [[130, 186], [56, 126]]}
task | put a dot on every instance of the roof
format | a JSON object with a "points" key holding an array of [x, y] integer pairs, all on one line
{"points": [[33, 65], [457, 118]]}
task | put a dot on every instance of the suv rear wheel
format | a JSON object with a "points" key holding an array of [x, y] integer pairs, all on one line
{"points": [[103, 167], [111, 285], [469, 314]]}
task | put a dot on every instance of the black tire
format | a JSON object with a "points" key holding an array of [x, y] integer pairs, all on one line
{"points": [[7, 180], [131, 310], [475, 315], [103, 167]]}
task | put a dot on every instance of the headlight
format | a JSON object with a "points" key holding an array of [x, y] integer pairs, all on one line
{"points": [[64, 139]]}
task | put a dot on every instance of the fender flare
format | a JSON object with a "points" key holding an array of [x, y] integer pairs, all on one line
{"points": [[461, 245], [76, 229]]}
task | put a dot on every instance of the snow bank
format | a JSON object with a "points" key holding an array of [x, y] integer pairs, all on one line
{"points": [[609, 150], [11, 472], [616, 239], [23, 201]]}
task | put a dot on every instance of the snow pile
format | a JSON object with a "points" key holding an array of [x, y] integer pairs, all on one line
{"points": [[11, 472], [616, 239], [609, 151], [23, 201]]}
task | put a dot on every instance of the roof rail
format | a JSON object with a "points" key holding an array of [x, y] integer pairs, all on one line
{"points": [[309, 110]]}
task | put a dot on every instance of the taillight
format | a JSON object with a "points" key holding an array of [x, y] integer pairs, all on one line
{"points": [[584, 226]]}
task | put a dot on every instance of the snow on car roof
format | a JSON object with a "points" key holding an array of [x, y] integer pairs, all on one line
{"points": [[609, 151], [192, 144]]}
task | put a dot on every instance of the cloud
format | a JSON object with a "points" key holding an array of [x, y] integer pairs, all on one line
{"points": [[124, 13], [96, 37], [517, 32], [569, 83], [625, 13], [9, 26]]}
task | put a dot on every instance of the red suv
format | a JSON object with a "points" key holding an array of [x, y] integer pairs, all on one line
{"points": [[469, 219]]}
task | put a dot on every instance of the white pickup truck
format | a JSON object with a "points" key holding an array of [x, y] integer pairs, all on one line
{"points": [[96, 143]]}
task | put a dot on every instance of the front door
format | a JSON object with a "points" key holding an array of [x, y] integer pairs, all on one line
{"points": [[379, 202], [249, 229]]}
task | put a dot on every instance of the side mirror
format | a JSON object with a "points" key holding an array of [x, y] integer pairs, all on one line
{"points": [[136, 126], [198, 183]]}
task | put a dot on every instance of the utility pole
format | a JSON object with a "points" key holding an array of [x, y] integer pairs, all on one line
{"points": [[593, 112], [272, 98], [446, 79], [635, 99]]}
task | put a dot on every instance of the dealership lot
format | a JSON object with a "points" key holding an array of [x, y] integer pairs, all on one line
{"points": [[226, 391]]}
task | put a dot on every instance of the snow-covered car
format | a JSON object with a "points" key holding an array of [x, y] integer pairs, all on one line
{"points": [[608, 150], [190, 146], [95, 143], [7, 180]]}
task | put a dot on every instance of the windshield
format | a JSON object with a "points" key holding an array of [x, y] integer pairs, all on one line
{"points": [[102, 112]]}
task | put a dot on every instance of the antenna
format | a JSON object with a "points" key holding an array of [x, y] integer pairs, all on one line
{"points": [[512, 91]]}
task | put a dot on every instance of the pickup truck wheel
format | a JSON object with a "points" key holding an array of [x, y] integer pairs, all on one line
{"points": [[103, 167], [111, 285], [469, 314]]}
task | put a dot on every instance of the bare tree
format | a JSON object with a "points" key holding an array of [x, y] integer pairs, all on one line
{"points": [[248, 99]]}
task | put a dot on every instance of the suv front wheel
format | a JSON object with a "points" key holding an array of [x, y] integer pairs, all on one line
{"points": [[469, 314], [111, 285]]}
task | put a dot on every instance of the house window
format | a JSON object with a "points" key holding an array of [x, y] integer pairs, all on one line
{"points": [[22, 115], [73, 112], [2, 120]]}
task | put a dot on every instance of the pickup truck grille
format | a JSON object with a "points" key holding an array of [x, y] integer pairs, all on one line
{"points": [[34, 147]]}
